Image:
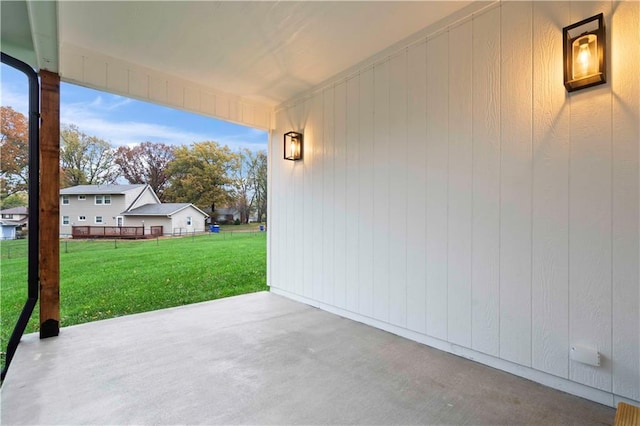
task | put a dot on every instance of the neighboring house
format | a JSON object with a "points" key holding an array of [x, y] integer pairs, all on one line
{"points": [[175, 218], [226, 215], [16, 214], [11, 221], [229, 215], [116, 206], [101, 205]]}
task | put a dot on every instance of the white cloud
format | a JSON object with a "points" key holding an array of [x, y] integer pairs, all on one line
{"points": [[13, 97], [131, 132], [93, 118], [100, 104]]}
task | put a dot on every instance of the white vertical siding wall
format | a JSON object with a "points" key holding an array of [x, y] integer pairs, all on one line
{"points": [[454, 193], [550, 209]]}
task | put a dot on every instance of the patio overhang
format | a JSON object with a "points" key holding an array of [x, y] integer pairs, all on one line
{"points": [[233, 61], [30, 33]]}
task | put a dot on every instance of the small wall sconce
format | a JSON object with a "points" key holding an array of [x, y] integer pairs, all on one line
{"points": [[293, 146], [584, 53]]}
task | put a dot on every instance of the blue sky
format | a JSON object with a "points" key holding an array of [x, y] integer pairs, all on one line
{"points": [[125, 121]]}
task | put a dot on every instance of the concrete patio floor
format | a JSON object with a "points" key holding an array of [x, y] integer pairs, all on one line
{"points": [[264, 359]]}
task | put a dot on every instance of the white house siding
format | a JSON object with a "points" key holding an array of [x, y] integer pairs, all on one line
{"points": [[150, 221], [456, 194], [7, 232], [88, 208], [147, 197], [179, 220]]}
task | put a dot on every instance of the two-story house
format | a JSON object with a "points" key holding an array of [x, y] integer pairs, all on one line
{"points": [[125, 205]]}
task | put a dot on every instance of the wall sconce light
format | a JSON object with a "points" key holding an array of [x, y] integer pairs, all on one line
{"points": [[293, 146], [584, 53]]}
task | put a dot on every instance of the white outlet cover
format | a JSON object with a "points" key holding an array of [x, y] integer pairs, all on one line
{"points": [[585, 355]]}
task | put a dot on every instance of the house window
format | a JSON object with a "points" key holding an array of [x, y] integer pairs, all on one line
{"points": [[103, 199], [99, 219], [188, 220], [82, 197], [65, 199], [65, 220], [82, 218], [7, 216]]}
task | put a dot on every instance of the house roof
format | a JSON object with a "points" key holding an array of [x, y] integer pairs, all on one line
{"points": [[164, 209], [99, 189], [9, 223], [15, 210], [16, 222]]}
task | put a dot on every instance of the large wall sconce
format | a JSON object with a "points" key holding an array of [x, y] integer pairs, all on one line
{"points": [[293, 146], [584, 53]]}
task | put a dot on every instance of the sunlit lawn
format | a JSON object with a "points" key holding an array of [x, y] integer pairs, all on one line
{"points": [[105, 279]]}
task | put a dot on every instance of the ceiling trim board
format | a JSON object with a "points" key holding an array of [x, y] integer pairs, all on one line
{"points": [[43, 21], [97, 71]]}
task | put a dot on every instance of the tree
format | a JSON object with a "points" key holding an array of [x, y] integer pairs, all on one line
{"points": [[14, 153], [84, 159], [258, 173], [15, 200], [146, 163], [243, 196], [200, 175], [250, 184]]}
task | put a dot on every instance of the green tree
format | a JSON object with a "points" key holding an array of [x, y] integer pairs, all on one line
{"points": [[200, 174], [14, 200], [84, 159], [147, 163]]}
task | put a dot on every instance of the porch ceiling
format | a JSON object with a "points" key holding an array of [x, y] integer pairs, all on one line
{"points": [[265, 52]]}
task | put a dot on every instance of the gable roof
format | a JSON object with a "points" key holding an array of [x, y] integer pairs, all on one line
{"points": [[147, 188], [164, 209], [100, 189]]}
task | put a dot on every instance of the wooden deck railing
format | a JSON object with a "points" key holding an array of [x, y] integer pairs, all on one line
{"points": [[112, 232]]}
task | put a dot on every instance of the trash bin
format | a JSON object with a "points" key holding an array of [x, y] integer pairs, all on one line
{"points": [[211, 228], [215, 229], [261, 228]]}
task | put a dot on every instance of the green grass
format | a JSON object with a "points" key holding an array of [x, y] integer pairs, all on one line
{"points": [[99, 281], [245, 227]]}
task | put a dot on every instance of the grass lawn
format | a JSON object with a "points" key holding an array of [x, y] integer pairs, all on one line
{"points": [[245, 227], [106, 279]]}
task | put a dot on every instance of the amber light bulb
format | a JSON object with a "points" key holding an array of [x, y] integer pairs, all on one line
{"points": [[584, 56], [584, 64]]}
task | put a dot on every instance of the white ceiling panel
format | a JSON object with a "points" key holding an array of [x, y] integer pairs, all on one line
{"points": [[263, 51]]}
